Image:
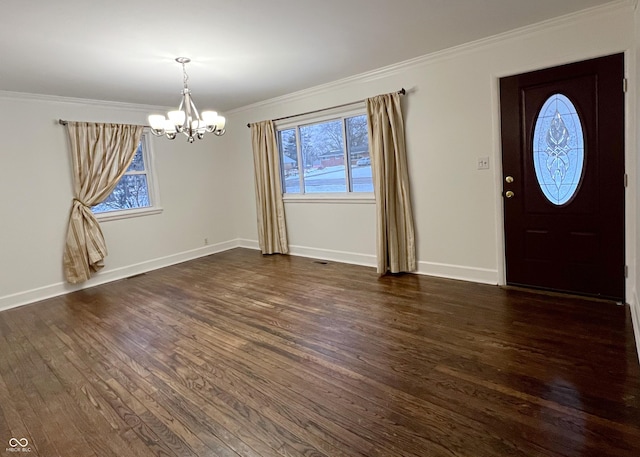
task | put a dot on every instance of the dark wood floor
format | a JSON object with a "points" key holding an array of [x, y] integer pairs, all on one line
{"points": [[239, 354]]}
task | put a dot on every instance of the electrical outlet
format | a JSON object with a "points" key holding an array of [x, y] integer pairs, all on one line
{"points": [[483, 163]]}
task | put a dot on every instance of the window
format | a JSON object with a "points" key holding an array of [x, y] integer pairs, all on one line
{"points": [[134, 195], [558, 149], [326, 156]]}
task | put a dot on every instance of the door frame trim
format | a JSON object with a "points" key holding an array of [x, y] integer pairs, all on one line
{"points": [[631, 164]]}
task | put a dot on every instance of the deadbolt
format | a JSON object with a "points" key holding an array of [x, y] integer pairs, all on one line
{"points": [[509, 194], [509, 179]]}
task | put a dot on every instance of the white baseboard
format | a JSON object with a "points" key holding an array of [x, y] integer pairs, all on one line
{"points": [[334, 256], [249, 244], [635, 319], [461, 272], [317, 253], [104, 276]]}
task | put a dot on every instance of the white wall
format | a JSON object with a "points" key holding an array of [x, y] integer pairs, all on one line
{"points": [[452, 118], [36, 190]]}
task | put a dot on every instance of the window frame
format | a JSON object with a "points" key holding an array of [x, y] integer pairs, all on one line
{"points": [[152, 187], [339, 113]]}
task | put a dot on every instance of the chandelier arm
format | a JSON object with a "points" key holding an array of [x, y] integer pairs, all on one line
{"points": [[195, 110], [180, 128], [188, 128], [187, 107]]}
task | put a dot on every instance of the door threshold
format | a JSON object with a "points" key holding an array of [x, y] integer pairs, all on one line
{"points": [[555, 293]]}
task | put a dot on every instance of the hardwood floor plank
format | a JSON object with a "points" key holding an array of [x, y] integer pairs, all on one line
{"points": [[91, 406], [194, 360], [360, 400], [11, 419], [231, 406], [249, 374], [117, 377], [40, 403]]}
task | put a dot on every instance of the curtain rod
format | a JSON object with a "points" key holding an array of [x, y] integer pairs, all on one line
{"points": [[65, 122], [400, 92]]}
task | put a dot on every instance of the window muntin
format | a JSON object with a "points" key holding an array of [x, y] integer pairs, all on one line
{"points": [[558, 149], [334, 154], [134, 194]]}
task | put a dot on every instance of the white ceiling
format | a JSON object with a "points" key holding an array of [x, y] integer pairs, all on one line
{"points": [[242, 51]]}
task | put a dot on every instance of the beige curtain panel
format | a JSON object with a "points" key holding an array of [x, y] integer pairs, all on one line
{"points": [[272, 228], [396, 247], [101, 154]]}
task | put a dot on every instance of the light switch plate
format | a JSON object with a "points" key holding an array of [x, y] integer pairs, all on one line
{"points": [[483, 163]]}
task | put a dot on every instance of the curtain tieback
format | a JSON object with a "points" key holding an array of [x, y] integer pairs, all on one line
{"points": [[81, 202]]}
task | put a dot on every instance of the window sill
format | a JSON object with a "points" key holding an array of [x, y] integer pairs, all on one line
{"points": [[359, 198], [127, 214]]}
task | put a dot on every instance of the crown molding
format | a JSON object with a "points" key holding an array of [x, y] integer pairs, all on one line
{"points": [[20, 96], [455, 51]]}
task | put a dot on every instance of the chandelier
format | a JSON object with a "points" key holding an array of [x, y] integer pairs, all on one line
{"points": [[186, 118]]}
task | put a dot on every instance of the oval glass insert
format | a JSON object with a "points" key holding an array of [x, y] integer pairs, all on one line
{"points": [[558, 149]]}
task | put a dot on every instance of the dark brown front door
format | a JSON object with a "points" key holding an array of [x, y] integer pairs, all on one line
{"points": [[563, 177]]}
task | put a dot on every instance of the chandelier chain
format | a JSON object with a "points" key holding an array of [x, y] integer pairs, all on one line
{"points": [[185, 77]]}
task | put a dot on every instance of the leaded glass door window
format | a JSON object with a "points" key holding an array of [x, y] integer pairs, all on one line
{"points": [[558, 149]]}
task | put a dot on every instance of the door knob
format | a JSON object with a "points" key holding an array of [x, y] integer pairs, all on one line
{"points": [[509, 179], [509, 194]]}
